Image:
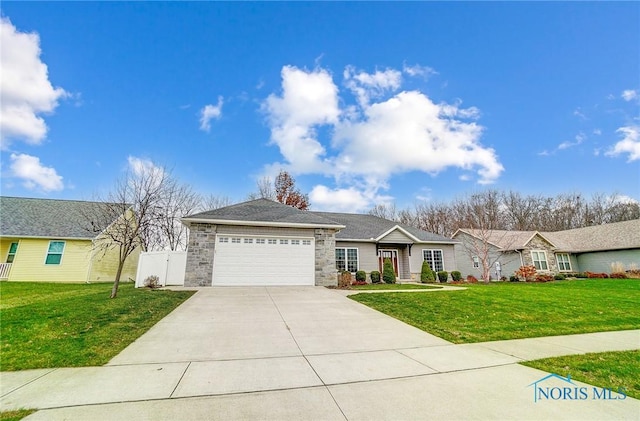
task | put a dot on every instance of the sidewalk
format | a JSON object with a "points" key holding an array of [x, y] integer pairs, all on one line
{"points": [[345, 362]]}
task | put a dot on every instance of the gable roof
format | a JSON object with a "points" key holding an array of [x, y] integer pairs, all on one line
{"points": [[45, 218], [262, 212], [363, 227], [614, 236], [504, 239]]}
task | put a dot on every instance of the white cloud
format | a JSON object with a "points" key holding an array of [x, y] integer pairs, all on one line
{"points": [[143, 166], [34, 174], [418, 70], [368, 143], [24, 87], [210, 112], [629, 94], [578, 112], [580, 137], [630, 143], [597, 132]]}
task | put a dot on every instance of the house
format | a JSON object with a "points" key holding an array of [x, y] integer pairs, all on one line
{"points": [[45, 240], [262, 242], [592, 249]]}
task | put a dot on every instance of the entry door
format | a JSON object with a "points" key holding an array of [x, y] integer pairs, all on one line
{"points": [[389, 254]]}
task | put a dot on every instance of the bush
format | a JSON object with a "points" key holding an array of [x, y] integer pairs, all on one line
{"points": [[526, 273], [618, 275], [514, 278], [472, 279], [559, 277], [152, 282], [456, 275], [361, 276], [388, 274], [596, 275], [359, 283], [443, 275], [426, 274], [544, 278], [375, 277], [344, 279]]}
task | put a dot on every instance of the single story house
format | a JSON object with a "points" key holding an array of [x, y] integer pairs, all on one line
{"points": [[45, 240], [592, 249], [262, 242]]}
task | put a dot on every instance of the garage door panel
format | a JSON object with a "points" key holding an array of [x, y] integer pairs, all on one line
{"points": [[263, 264]]}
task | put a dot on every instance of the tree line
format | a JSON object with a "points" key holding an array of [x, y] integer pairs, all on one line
{"points": [[508, 210]]}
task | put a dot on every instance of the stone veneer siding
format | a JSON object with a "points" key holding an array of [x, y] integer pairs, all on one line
{"points": [[202, 243], [325, 241], [539, 244]]}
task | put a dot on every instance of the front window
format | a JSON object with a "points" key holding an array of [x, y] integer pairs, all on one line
{"points": [[54, 253], [564, 264], [540, 260], [347, 259], [434, 258], [13, 248]]}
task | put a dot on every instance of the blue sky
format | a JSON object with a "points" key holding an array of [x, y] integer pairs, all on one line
{"points": [[363, 103]]}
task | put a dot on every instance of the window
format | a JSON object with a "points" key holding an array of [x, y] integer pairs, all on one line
{"points": [[54, 253], [295, 242], [347, 259], [223, 240], [284, 241], [539, 260], [13, 248], [434, 257], [476, 261], [248, 240], [306, 242], [564, 264], [272, 241], [260, 240], [235, 240]]}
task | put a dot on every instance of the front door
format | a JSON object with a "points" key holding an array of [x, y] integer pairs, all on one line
{"points": [[391, 255]]}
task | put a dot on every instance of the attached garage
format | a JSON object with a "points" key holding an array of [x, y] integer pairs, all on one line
{"points": [[243, 260]]}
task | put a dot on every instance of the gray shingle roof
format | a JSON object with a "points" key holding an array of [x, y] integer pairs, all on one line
{"points": [[46, 218], [262, 210], [505, 240], [365, 227]]}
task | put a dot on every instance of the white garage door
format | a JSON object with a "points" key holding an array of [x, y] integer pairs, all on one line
{"points": [[245, 260]]}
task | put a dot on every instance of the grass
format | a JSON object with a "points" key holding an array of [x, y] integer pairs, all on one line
{"points": [[604, 369], [73, 325], [375, 287], [16, 415], [517, 310]]}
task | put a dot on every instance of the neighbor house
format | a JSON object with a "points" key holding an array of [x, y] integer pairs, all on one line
{"points": [[47, 240], [262, 242], [592, 249]]}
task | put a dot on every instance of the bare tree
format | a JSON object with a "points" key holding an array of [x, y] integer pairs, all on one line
{"points": [[212, 202], [123, 219], [386, 211], [175, 201], [265, 190]]}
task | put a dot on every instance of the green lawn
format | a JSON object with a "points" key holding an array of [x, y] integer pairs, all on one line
{"points": [[509, 310], [15, 415], [72, 325], [375, 287], [604, 369]]}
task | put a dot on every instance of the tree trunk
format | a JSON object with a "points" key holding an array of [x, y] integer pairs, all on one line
{"points": [[116, 282]]}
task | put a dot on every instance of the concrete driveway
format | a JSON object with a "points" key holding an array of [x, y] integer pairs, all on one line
{"points": [[297, 353]]}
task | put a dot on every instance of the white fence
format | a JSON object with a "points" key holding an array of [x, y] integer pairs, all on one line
{"points": [[168, 266], [5, 268]]}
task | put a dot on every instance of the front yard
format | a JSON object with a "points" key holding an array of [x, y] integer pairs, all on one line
{"points": [[73, 325], [517, 310]]}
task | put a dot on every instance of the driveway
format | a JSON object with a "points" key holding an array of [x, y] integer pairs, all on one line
{"points": [[295, 353]]}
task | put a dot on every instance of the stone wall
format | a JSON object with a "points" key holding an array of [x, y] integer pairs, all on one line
{"points": [[202, 242], [537, 243], [325, 241]]}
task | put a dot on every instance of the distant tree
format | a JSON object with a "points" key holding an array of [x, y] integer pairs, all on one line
{"points": [[265, 190], [287, 193], [386, 211], [212, 202], [175, 201]]}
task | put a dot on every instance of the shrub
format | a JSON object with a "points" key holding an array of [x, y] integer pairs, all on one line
{"points": [[618, 275], [344, 279], [359, 283], [503, 278], [443, 275], [456, 275], [361, 276], [152, 282], [375, 277], [472, 279], [426, 274], [617, 267], [544, 278], [526, 273], [596, 275], [559, 277], [514, 278], [388, 274]]}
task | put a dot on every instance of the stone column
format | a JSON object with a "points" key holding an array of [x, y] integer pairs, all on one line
{"points": [[325, 243], [202, 242]]}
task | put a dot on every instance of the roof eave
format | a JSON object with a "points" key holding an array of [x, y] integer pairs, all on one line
{"points": [[189, 221], [46, 237]]}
